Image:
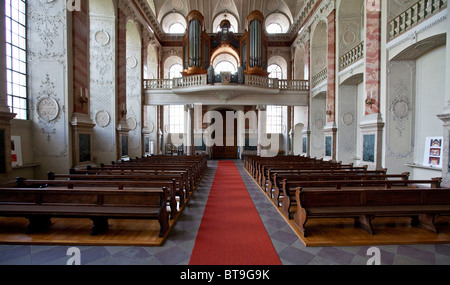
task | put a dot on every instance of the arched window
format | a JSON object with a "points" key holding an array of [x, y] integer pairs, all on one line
{"points": [[177, 28], [231, 29], [225, 66], [277, 23], [225, 16], [175, 71], [174, 23], [274, 28], [275, 71]]}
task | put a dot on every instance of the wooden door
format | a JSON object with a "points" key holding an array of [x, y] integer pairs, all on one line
{"points": [[226, 151]]}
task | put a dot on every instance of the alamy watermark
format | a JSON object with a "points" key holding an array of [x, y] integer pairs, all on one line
{"points": [[229, 128], [74, 5], [75, 256], [375, 256]]}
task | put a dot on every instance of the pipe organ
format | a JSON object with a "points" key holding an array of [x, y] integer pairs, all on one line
{"points": [[250, 47]]}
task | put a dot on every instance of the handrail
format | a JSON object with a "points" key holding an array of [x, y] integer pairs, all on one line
{"points": [[415, 14], [352, 56], [250, 80], [319, 77]]}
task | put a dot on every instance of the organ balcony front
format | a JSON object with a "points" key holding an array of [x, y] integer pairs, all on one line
{"points": [[250, 84]]}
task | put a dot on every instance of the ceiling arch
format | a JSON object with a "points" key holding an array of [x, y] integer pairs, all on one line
{"points": [[239, 8]]}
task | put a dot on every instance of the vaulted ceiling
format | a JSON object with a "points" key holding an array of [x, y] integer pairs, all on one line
{"points": [[239, 8], [156, 10]]}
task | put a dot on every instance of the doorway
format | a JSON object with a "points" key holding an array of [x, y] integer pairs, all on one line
{"points": [[226, 151]]}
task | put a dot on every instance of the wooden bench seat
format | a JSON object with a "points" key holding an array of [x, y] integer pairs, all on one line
{"points": [[273, 186], [422, 205], [289, 203], [182, 189], [188, 180], [77, 185], [39, 205]]}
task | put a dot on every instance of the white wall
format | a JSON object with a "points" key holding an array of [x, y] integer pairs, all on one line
{"points": [[430, 98]]}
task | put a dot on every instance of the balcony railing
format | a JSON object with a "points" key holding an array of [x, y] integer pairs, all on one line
{"points": [[301, 85], [158, 84], [202, 80], [190, 81], [319, 77], [352, 56], [415, 14]]}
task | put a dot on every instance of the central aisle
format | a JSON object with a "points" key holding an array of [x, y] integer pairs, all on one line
{"points": [[231, 231]]}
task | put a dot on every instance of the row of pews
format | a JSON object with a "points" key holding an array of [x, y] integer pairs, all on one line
{"points": [[155, 188], [305, 188]]}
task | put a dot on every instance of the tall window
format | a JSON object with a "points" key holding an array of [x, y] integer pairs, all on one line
{"points": [[176, 119], [275, 71], [16, 56], [175, 71], [274, 29], [274, 119], [177, 28]]}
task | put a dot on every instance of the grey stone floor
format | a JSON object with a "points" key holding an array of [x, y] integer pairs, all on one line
{"points": [[178, 247]]}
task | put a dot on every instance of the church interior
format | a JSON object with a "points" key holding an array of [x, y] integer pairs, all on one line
{"points": [[287, 99]]}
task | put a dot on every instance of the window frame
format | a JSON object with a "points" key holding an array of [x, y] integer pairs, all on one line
{"points": [[228, 62], [172, 73], [273, 33], [177, 23], [274, 119], [280, 72], [176, 119], [14, 75]]}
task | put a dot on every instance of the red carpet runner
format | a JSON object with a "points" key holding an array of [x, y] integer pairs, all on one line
{"points": [[231, 231]]}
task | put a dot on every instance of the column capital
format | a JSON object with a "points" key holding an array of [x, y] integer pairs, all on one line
{"points": [[261, 107]]}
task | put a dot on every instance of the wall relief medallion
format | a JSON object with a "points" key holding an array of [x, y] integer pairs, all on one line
{"points": [[102, 38], [132, 124], [319, 124], [400, 108], [347, 119], [47, 108], [103, 118], [151, 127], [177, 4], [131, 62]]}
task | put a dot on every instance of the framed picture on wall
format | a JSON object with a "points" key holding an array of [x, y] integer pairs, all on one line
{"points": [[433, 152], [16, 151]]}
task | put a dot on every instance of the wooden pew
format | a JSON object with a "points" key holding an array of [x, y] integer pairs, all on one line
{"points": [[189, 184], [289, 202], [194, 177], [39, 205], [182, 192], [274, 188], [76, 185], [277, 177], [423, 205]]}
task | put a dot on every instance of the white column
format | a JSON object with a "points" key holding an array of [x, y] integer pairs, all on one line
{"points": [[262, 125], [190, 130]]}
